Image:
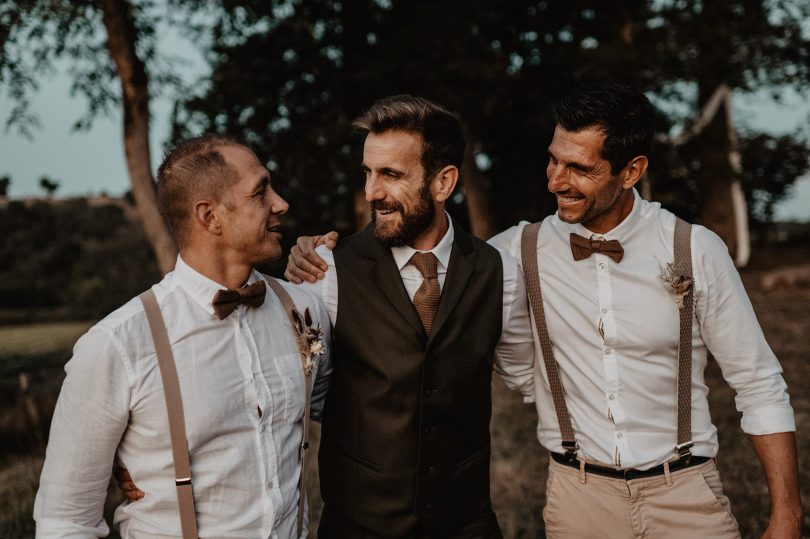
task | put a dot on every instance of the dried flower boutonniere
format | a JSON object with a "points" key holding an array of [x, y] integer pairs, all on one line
{"points": [[310, 339], [678, 281]]}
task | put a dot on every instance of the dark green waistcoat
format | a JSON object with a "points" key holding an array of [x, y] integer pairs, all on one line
{"points": [[405, 435]]}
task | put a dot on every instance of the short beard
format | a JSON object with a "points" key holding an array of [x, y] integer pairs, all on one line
{"points": [[413, 224]]}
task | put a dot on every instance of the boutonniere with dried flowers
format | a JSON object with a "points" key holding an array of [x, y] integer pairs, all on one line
{"points": [[677, 279], [310, 339]]}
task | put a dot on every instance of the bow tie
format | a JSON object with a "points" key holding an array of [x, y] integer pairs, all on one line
{"points": [[582, 248], [225, 301]]}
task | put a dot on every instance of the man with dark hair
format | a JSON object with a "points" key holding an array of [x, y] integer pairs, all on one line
{"points": [[229, 368], [633, 303], [424, 311]]}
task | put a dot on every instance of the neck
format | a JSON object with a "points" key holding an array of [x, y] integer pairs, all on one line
{"points": [[217, 267], [618, 212], [431, 237]]}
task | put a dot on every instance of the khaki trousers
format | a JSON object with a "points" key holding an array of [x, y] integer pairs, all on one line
{"points": [[688, 504]]}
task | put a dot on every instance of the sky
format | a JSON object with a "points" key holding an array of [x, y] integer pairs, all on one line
{"points": [[92, 162]]}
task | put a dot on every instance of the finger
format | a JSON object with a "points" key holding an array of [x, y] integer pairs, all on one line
{"points": [[127, 486], [134, 495], [121, 474], [303, 268], [294, 272], [306, 246], [330, 239], [290, 277]]}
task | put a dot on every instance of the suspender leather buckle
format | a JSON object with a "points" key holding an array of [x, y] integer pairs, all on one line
{"points": [[304, 446], [684, 450], [182, 481]]}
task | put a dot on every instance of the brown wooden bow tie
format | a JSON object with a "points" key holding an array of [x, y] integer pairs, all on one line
{"points": [[225, 301], [582, 248]]}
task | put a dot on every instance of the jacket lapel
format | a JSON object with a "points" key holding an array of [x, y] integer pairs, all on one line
{"points": [[459, 270]]}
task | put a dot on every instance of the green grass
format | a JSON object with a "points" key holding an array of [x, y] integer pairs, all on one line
{"points": [[35, 346]]}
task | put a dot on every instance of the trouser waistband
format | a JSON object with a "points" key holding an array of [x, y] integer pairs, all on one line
{"points": [[631, 473]]}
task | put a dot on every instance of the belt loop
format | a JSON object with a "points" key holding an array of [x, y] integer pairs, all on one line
{"points": [[582, 470], [667, 475]]}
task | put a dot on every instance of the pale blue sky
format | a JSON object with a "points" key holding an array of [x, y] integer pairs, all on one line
{"points": [[91, 162]]}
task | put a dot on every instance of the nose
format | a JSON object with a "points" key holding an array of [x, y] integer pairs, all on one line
{"points": [[373, 188], [556, 178], [278, 206]]}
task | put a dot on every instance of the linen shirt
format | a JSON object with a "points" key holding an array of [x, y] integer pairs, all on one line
{"points": [[245, 468], [514, 351], [615, 332]]}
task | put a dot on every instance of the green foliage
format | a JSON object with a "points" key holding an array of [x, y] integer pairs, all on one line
{"points": [[70, 259], [290, 76]]}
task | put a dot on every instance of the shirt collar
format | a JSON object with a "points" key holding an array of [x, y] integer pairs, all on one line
{"points": [[402, 255], [619, 232], [199, 287]]}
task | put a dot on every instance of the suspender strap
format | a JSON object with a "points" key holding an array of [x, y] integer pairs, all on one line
{"points": [[174, 409], [683, 263], [289, 307], [528, 253]]}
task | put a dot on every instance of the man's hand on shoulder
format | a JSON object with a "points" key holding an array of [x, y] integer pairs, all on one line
{"points": [[304, 264]]}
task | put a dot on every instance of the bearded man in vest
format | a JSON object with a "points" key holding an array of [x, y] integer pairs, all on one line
{"points": [[421, 312]]}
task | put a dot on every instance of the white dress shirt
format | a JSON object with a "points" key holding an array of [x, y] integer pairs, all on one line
{"points": [[615, 332], [245, 468], [515, 349]]}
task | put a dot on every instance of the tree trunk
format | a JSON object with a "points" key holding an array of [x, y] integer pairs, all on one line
{"points": [[122, 36], [475, 193], [715, 178]]}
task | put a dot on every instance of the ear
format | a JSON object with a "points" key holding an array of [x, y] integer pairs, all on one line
{"points": [[206, 217], [633, 171], [443, 184]]}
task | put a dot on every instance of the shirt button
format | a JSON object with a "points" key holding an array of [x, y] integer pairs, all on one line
{"points": [[602, 266], [604, 310], [608, 352], [269, 484], [620, 435], [430, 392], [611, 396]]}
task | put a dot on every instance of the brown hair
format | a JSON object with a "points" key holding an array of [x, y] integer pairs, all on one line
{"points": [[192, 169], [440, 129]]}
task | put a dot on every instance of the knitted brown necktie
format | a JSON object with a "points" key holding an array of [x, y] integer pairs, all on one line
{"points": [[426, 299]]}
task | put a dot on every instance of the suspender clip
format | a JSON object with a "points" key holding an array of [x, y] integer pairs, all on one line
{"points": [[182, 481], [684, 450], [304, 445], [571, 449]]}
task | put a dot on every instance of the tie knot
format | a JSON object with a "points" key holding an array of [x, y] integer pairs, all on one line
{"points": [[427, 264]]}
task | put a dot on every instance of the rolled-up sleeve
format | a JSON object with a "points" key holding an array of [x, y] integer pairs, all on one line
{"points": [[733, 335], [514, 354], [90, 417]]}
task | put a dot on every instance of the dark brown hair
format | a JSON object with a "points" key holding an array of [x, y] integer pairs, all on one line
{"points": [[440, 129]]}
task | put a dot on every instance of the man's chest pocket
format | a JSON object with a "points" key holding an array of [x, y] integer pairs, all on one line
{"points": [[286, 381]]}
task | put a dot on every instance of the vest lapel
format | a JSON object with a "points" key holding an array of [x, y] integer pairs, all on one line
{"points": [[386, 275], [459, 271]]}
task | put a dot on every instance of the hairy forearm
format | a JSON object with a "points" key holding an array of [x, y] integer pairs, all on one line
{"points": [[777, 453]]}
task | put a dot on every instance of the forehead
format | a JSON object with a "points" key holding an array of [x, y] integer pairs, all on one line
{"points": [[395, 148], [583, 145]]}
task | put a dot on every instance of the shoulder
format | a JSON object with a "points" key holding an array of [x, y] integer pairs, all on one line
{"points": [[302, 297]]}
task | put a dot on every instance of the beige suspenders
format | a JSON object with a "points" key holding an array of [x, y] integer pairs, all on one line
{"points": [[174, 409], [683, 261]]}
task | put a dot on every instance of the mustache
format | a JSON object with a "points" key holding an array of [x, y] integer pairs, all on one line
{"points": [[381, 205]]}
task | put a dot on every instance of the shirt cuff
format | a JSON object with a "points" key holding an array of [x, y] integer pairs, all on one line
{"points": [[770, 420]]}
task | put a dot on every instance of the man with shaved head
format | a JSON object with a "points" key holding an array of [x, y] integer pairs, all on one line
{"points": [[241, 377]]}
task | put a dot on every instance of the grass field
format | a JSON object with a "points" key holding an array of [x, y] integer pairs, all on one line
{"points": [[518, 463]]}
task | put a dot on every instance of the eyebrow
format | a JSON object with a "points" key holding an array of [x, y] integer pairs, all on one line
{"points": [[388, 171], [263, 182]]}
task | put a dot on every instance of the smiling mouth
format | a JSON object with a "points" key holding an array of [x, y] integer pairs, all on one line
{"points": [[275, 228], [562, 199]]}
